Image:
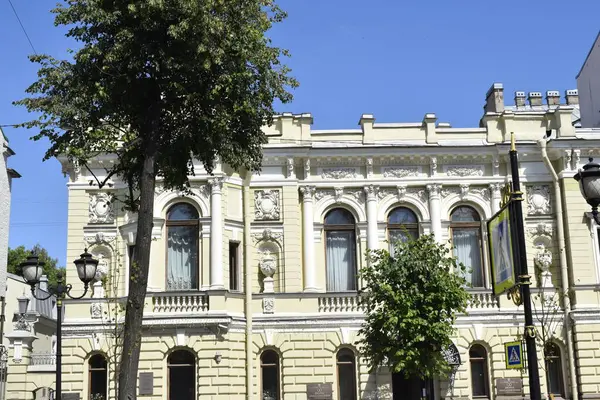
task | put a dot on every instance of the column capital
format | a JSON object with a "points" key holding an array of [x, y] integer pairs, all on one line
{"points": [[308, 192], [371, 191], [495, 188], [216, 184], [434, 189]]}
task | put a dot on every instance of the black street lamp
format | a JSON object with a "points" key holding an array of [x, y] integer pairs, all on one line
{"points": [[33, 269], [589, 184]]}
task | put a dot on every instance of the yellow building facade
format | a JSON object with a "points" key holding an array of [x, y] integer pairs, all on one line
{"points": [[252, 290]]}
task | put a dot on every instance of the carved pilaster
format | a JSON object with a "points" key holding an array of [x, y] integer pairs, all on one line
{"points": [[434, 190], [308, 192], [216, 185], [371, 191]]}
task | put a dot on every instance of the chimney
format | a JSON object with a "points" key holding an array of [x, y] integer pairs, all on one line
{"points": [[535, 99], [572, 97], [43, 283], [520, 99], [553, 97], [494, 99]]}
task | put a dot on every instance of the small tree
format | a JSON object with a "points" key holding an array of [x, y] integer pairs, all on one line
{"points": [[412, 298], [19, 254]]}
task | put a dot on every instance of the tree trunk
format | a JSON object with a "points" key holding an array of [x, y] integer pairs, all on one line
{"points": [[138, 278]]}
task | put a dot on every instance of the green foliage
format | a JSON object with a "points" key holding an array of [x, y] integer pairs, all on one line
{"points": [[412, 299], [193, 80], [19, 254]]}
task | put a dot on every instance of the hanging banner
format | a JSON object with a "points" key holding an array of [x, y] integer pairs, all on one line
{"points": [[500, 241]]}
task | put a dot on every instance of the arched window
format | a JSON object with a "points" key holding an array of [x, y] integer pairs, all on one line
{"points": [[554, 369], [269, 369], [403, 226], [340, 231], [479, 371], [182, 247], [466, 241], [98, 376], [346, 370], [181, 365]]}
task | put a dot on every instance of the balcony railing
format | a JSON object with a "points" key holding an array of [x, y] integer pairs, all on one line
{"points": [[176, 303], [43, 359], [483, 300], [340, 303]]}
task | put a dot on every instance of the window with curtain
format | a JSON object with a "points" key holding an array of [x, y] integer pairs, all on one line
{"points": [[269, 369], [182, 247], [98, 376], [479, 371], [403, 226], [340, 237], [465, 224], [552, 356], [181, 366], [346, 371]]}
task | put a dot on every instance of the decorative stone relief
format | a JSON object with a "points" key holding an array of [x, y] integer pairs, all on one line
{"points": [[307, 192], [290, 168], [101, 209], [268, 235], [464, 190], [496, 165], [567, 160], [268, 266], [434, 190], [464, 170], [369, 168], [216, 184], [99, 238], [541, 230], [96, 310], [268, 305], [401, 191], [307, 168], [447, 191], [400, 172], [338, 173], [543, 258], [538, 200], [433, 165], [359, 195], [266, 205], [484, 193], [371, 191], [319, 194], [338, 193], [576, 159]]}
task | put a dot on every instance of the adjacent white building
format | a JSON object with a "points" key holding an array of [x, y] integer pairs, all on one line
{"points": [[588, 85]]}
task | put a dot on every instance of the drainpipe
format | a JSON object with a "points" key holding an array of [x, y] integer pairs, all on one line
{"points": [[564, 273], [248, 289]]}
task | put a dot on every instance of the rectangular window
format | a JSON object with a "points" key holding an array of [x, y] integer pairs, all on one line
{"points": [[234, 270]]}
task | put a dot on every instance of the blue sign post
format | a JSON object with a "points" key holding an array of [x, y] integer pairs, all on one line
{"points": [[513, 351]]}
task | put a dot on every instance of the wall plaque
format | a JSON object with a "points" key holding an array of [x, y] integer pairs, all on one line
{"points": [[70, 396], [146, 383], [319, 391], [509, 386]]}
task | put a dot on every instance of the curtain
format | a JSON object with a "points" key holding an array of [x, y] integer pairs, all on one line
{"points": [[466, 248], [181, 258], [341, 269]]}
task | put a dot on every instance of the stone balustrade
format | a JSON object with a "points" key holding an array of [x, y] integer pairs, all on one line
{"points": [[43, 359], [340, 303], [179, 303], [483, 299]]}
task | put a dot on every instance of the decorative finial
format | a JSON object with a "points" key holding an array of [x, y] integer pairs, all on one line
{"points": [[513, 147]]}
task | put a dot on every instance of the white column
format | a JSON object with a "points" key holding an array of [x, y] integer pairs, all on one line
{"points": [[216, 234], [495, 196], [372, 239], [310, 273], [435, 210]]}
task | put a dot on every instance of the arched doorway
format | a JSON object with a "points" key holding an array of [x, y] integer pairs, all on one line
{"points": [[411, 388], [181, 365]]}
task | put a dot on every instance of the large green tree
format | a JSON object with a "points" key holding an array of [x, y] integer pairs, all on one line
{"points": [[412, 298], [19, 254], [160, 83]]}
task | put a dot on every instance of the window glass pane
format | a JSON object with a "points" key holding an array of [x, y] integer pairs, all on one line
{"points": [[270, 375], [98, 375], [465, 214], [402, 216], [467, 250], [182, 212], [341, 259], [182, 257], [339, 216], [233, 266]]}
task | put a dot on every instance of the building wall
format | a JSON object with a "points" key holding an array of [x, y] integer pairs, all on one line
{"points": [[588, 85], [5, 152]]}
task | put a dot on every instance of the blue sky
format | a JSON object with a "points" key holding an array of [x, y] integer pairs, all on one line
{"points": [[395, 59]]}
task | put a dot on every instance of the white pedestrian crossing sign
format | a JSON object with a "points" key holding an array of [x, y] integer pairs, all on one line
{"points": [[513, 352]]}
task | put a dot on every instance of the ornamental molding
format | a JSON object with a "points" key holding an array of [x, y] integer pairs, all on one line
{"points": [[269, 305], [433, 165], [464, 170], [543, 258], [339, 173], [401, 172], [100, 238], [369, 165], [576, 159], [541, 230], [338, 194], [482, 192], [434, 189], [371, 191], [308, 192], [267, 205], [307, 168], [538, 200], [216, 185], [101, 209], [402, 191], [464, 189], [96, 310], [291, 174], [268, 235], [567, 166]]}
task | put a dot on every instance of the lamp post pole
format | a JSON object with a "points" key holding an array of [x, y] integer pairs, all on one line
{"points": [[32, 272], [524, 280]]}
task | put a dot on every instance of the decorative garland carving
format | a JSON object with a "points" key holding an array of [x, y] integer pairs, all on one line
{"points": [[100, 238], [400, 172], [266, 205], [338, 173], [268, 235], [401, 191], [464, 170]]}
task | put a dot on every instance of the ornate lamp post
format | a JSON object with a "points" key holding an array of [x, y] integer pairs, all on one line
{"points": [[589, 184], [33, 270]]}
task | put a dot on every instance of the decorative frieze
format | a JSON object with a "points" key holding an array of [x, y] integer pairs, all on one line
{"points": [[538, 200], [99, 238], [464, 170], [267, 205], [400, 172], [465, 189], [484, 193], [401, 191], [101, 210], [338, 173], [268, 235]]}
